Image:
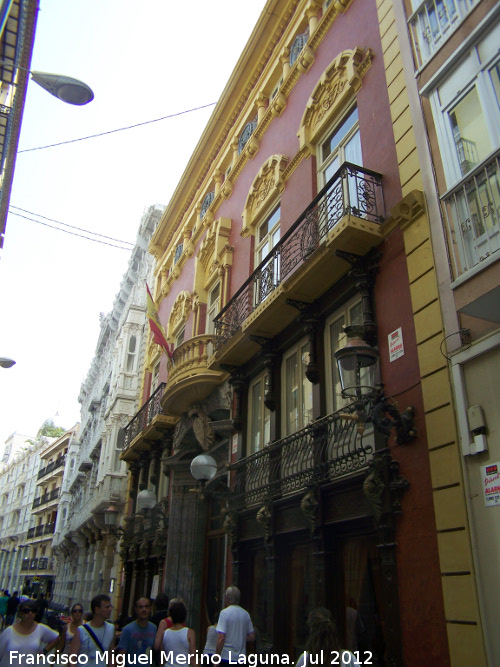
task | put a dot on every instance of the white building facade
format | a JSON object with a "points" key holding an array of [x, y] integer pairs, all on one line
{"points": [[18, 478], [94, 476]]}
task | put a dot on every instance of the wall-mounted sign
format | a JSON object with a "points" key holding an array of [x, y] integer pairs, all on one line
{"points": [[396, 347], [234, 447], [491, 483]]}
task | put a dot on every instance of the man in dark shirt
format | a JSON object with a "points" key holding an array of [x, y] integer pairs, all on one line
{"points": [[42, 606], [12, 605]]}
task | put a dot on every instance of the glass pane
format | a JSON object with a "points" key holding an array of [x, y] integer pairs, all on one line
{"points": [[495, 77], [255, 437], [307, 412], [335, 139], [353, 150], [336, 335], [472, 142], [292, 395]]}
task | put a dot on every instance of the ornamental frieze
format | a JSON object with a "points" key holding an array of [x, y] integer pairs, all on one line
{"points": [[336, 88], [268, 183]]}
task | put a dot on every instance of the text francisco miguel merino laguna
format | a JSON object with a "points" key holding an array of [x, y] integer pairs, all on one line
{"points": [[123, 659]]}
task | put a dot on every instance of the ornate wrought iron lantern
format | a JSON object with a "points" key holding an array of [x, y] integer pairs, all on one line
{"points": [[357, 363]]}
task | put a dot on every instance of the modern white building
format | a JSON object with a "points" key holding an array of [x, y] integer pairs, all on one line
{"points": [[18, 479], [94, 476]]}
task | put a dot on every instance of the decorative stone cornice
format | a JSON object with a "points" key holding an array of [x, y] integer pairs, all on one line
{"points": [[266, 186], [336, 87]]}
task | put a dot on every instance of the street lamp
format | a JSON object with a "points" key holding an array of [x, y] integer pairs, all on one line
{"points": [[110, 518], [65, 88], [203, 468], [5, 362], [356, 363]]}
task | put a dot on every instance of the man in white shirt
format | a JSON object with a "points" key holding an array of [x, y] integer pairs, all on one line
{"points": [[234, 628], [96, 637]]}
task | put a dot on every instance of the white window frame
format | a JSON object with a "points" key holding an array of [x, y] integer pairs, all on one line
{"points": [[264, 416], [131, 356], [271, 240], [469, 73], [324, 163], [213, 306], [302, 347]]}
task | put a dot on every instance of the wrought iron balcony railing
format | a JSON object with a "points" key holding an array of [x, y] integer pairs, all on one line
{"points": [[352, 190], [324, 450], [472, 211], [53, 465], [433, 22], [143, 418]]}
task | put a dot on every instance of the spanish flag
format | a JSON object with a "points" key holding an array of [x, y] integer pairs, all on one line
{"points": [[155, 324]]}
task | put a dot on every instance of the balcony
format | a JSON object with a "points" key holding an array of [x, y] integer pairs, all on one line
{"points": [[148, 424], [323, 451], [472, 212], [190, 380], [433, 22], [52, 466], [45, 498], [347, 216]]}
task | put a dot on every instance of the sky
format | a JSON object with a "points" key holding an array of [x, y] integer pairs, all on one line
{"points": [[144, 61]]}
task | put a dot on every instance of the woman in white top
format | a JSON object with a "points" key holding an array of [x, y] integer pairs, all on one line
{"points": [[211, 642], [27, 637], [71, 628], [177, 640], [323, 636]]}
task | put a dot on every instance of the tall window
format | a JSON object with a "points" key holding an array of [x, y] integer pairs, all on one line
{"points": [[179, 339], [352, 313], [466, 111], [131, 353], [155, 380], [268, 235], [342, 145], [213, 308], [298, 390], [259, 426]]}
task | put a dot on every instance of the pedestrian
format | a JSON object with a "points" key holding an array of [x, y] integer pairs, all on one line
{"points": [[71, 628], [323, 645], [234, 628], [12, 605], [179, 641], [97, 636], [3, 608], [211, 642], [161, 609], [138, 637], [42, 606], [166, 622], [27, 637]]}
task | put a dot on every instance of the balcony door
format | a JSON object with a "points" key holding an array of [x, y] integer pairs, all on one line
{"points": [[268, 235], [343, 144]]}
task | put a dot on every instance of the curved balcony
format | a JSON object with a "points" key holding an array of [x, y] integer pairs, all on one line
{"points": [[190, 380], [146, 426]]}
